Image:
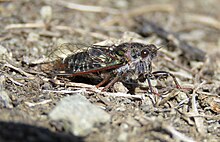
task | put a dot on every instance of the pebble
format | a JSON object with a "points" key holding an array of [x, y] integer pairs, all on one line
{"points": [[5, 100], [119, 87], [181, 97], [46, 13], [4, 54], [81, 114], [33, 37]]}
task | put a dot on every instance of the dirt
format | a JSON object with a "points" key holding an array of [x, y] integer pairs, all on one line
{"points": [[30, 30]]}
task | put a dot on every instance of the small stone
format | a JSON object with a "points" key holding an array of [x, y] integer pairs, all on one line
{"points": [[196, 65], [181, 96], [119, 87], [81, 114], [46, 13], [4, 54], [5, 100], [121, 3], [123, 137], [33, 37]]}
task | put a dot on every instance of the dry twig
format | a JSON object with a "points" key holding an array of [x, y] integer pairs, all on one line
{"points": [[139, 11], [18, 70], [82, 87], [171, 95], [177, 135], [64, 91], [59, 27], [147, 27], [206, 20], [198, 121], [39, 103], [14, 81], [118, 94], [26, 25], [84, 8]]}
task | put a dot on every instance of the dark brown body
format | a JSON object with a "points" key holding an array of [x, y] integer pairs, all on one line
{"points": [[124, 61]]}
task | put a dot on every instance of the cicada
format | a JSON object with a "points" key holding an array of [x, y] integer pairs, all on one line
{"points": [[109, 64]]}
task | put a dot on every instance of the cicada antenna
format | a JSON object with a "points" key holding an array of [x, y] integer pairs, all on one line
{"points": [[159, 48]]}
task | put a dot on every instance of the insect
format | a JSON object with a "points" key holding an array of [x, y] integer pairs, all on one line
{"points": [[115, 62]]}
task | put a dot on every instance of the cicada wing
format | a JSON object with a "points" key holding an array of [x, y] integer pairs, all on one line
{"points": [[92, 60], [54, 62], [76, 59], [66, 49]]}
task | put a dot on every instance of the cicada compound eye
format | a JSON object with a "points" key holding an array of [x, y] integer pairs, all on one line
{"points": [[144, 53]]}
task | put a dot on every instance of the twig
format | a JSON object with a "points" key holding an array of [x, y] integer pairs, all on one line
{"points": [[39, 103], [206, 20], [164, 127], [185, 116], [5, 1], [85, 8], [26, 25], [171, 95], [18, 70], [72, 84], [147, 27], [182, 102], [204, 116], [64, 91], [59, 27], [198, 121], [177, 134], [14, 81], [182, 74], [206, 93], [5, 37], [150, 8], [139, 11], [141, 97], [88, 88]]}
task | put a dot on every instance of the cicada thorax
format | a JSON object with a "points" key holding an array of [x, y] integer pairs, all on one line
{"points": [[140, 57]]}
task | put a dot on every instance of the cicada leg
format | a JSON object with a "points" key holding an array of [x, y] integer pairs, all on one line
{"points": [[110, 83], [148, 77], [117, 78], [165, 74], [105, 80]]}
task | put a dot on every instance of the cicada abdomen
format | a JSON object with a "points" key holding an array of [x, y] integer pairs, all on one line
{"points": [[54, 63]]}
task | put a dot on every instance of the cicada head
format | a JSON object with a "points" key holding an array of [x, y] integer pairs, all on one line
{"points": [[149, 52], [144, 52], [141, 56]]}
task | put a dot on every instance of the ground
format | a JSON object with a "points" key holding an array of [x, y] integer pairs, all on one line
{"points": [[30, 30]]}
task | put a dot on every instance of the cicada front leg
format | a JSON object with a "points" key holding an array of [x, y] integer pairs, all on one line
{"points": [[148, 76], [165, 75], [158, 75]]}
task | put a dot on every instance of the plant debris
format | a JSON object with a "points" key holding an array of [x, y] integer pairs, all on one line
{"points": [[187, 34]]}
